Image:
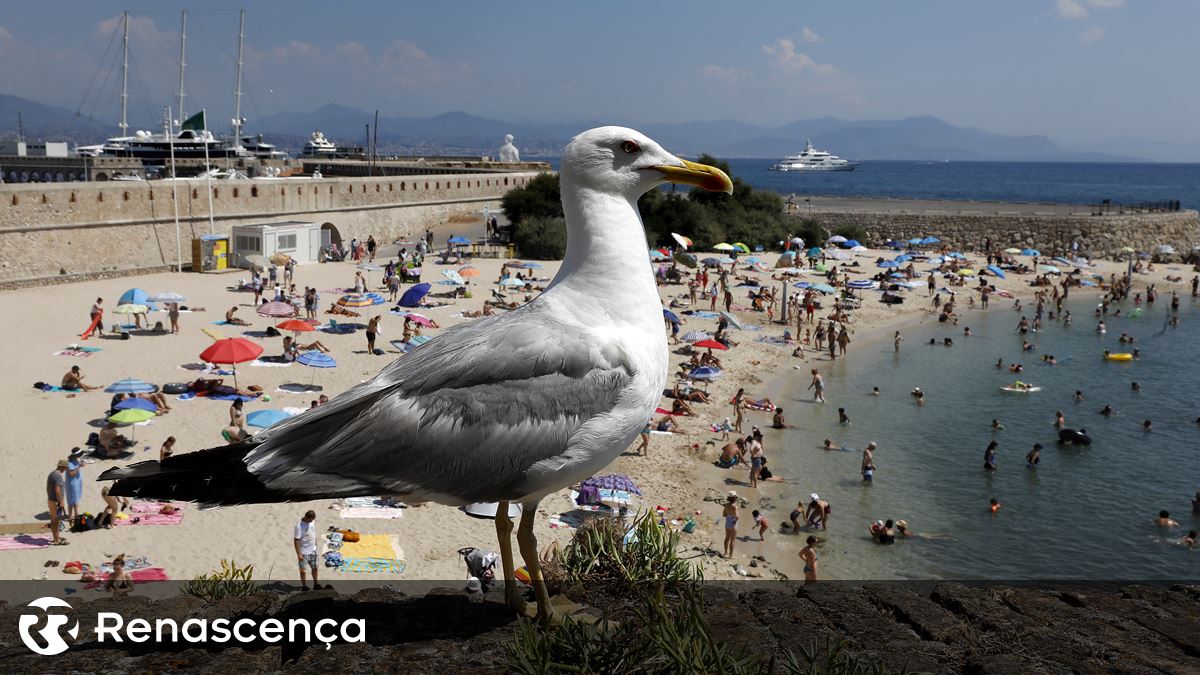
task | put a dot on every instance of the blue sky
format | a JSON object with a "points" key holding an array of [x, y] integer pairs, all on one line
{"points": [[1076, 70]]}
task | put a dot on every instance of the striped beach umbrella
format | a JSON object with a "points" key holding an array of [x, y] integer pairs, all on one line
{"points": [[683, 241], [276, 310], [355, 300], [315, 359], [130, 385]]}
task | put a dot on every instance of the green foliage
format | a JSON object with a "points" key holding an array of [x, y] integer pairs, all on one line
{"points": [[811, 232], [664, 637], [754, 217], [542, 238], [598, 559], [537, 199], [230, 580], [856, 232]]}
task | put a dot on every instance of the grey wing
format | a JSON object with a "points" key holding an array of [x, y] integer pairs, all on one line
{"points": [[462, 418]]}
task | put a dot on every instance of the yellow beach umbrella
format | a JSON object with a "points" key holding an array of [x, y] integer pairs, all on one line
{"points": [[723, 247]]}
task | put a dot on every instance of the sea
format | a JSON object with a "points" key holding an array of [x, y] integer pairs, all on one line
{"points": [[1086, 512], [1062, 182]]}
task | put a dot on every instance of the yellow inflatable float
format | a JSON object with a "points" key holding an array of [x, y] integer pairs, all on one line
{"points": [[1119, 357]]}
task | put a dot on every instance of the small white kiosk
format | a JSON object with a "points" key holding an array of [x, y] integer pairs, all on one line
{"points": [[298, 239]]}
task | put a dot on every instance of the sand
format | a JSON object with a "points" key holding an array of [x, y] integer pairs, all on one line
{"points": [[677, 474]]}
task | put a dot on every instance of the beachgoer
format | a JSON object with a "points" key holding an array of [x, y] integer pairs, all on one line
{"points": [[1107, 411], [795, 516], [1146, 426], [167, 449], [868, 462], [97, 315], [173, 315], [843, 418], [372, 331], [1060, 420], [112, 442], [993, 505], [989, 456], [1190, 540], [996, 426], [730, 514], [897, 339], [875, 391], [816, 515], [233, 320], [761, 521], [644, 444], [304, 539], [808, 555], [1034, 456], [119, 582], [738, 402], [56, 499], [755, 450], [1164, 520], [73, 381], [818, 386]]}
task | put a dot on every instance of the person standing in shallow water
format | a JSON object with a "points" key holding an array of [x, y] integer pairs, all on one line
{"points": [[818, 386], [730, 514], [808, 555]]}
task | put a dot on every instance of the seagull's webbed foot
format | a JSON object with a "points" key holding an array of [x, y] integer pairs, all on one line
{"points": [[529, 551]]}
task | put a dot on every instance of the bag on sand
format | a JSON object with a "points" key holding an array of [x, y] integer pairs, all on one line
{"points": [[481, 564], [350, 535]]}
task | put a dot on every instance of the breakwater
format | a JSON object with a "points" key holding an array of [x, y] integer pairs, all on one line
{"points": [[1051, 228]]}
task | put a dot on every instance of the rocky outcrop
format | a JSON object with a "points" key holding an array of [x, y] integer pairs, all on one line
{"points": [[933, 627]]}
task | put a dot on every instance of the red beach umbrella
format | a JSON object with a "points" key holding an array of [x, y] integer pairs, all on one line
{"points": [[710, 344], [231, 351], [296, 325]]}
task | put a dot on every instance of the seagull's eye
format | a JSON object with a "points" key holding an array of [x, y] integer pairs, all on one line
{"points": [[630, 147]]}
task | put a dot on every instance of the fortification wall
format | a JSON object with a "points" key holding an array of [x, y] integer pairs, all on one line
{"points": [[53, 230], [1099, 236]]}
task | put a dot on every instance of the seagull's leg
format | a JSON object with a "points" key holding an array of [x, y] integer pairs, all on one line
{"points": [[504, 528], [529, 551]]}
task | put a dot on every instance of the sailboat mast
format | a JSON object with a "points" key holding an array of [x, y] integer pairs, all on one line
{"points": [[125, 76], [237, 89], [182, 61]]}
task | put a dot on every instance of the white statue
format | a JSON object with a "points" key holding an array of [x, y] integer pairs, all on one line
{"points": [[508, 151]]}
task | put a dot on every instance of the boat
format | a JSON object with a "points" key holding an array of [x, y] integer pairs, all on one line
{"points": [[319, 146], [813, 160], [257, 147]]}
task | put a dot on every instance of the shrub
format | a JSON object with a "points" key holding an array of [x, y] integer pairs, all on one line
{"points": [[539, 198], [855, 232], [541, 238], [230, 580]]}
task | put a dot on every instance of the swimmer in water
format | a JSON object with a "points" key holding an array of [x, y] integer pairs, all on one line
{"points": [[1164, 520], [875, 391], [947, 342], [1100, 328], [1078, 396], [1015, 368], [1027, 346], [1066, 318], [843, 418], [989, 456], [1190, 540], [1137, 353], [966, 333], [1135, 386], [1060, 420], [932, 341], [994, 505], [999, 363], [1146, 426], [1034, 457], [1107, 411], [919, 396], [996, 426]]}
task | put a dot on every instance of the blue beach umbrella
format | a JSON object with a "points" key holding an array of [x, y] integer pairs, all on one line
{"points": [[887, 264], [861, 283], [705, 373], [1031, 252], [459, 241], [656, 254], [454, 277], [266, 418], [532, 265], [803, 284], [316, 359], [824, 288], [413, 296], [130, 385], [916, 241], [903, 258], [814, 252], [956, 255], [996, 271], [136, 404], [850, 243], [670, 316], [926, 241], [753, 259], [136, 296], [512, 282]]}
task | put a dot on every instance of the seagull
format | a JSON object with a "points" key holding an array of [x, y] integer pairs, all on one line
{"points": [[505, 409]]}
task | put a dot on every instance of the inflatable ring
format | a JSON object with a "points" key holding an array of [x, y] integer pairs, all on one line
{"points": [[1074, 437], [1119, 357], [175, 388]]}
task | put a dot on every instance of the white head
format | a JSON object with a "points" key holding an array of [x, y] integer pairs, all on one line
{"points": [[508, 138], [621, 161]]}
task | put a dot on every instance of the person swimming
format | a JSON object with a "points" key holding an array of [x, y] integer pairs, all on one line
{"points": [[1078, 396], [875, 391], [993, 505], [989, 456], [1107, 411], [996, 426], [1034, 456]]}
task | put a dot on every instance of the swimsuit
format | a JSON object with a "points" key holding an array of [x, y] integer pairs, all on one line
{"points": [[730, 522]]}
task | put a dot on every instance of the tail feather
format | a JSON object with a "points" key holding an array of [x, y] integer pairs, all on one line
{"points": [[213, 477]]}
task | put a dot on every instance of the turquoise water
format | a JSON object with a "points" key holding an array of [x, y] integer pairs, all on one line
{"points": [[1085, 513]]}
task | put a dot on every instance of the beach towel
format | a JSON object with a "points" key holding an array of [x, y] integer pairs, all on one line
{"points": [[148, 513], [227, 397], [260, 363], [54, 387], [79, 353], [142, 576], [371, 553], [18, 542], [131, 564], [757, 405], [98, 453], [381, 512], [772, 340], [703, 314]]}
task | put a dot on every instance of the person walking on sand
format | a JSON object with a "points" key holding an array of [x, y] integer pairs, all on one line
{"points": [[304, 539], [56, 499], [761, 522], [643, 447], [738, 401], [730, 514], [97, 315], [818, 386], [808, 555]]}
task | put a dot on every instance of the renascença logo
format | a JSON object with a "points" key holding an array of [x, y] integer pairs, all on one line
{"points": [[55, 644], [113, 626]]}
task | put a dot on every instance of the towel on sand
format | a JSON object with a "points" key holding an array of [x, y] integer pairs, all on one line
{"points": [[23, 541], [142, 576], [372, 553]]}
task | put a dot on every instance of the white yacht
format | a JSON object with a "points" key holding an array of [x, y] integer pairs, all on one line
{"points": [[319, 146], [813, 160]]}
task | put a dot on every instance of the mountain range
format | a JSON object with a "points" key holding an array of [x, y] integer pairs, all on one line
{"points": [[924, 138]]}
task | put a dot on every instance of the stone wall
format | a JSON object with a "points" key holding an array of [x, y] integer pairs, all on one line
{"points": [[1099, 236], [50, 230]]}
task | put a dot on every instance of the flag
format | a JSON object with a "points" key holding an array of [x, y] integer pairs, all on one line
{"points": [[194, 123]]}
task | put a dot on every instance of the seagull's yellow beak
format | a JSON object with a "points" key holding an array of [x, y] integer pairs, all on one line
{"points": [[702, 176]]}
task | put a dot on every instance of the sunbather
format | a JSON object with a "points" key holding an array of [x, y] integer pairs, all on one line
{"points": [[679, 407], [233, 320], [292, 346], [486, 311], [667, 424], [73, 381], [218, 388], [111, 442], [338, 309]]}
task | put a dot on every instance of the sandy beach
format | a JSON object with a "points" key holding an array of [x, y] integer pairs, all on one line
{"points": [[678, 472]]}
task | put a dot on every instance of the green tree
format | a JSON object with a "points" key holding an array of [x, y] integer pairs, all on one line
{"points": [[539, 198], [542, 238]]}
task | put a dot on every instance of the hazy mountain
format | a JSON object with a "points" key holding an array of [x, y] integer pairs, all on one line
{"points": [[923, 138], [48, 122]]}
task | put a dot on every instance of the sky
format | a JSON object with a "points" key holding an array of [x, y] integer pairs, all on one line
{"points": [[1075, 70]]}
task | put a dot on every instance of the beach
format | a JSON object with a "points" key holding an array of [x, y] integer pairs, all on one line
{"points": [[677, 474]]}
